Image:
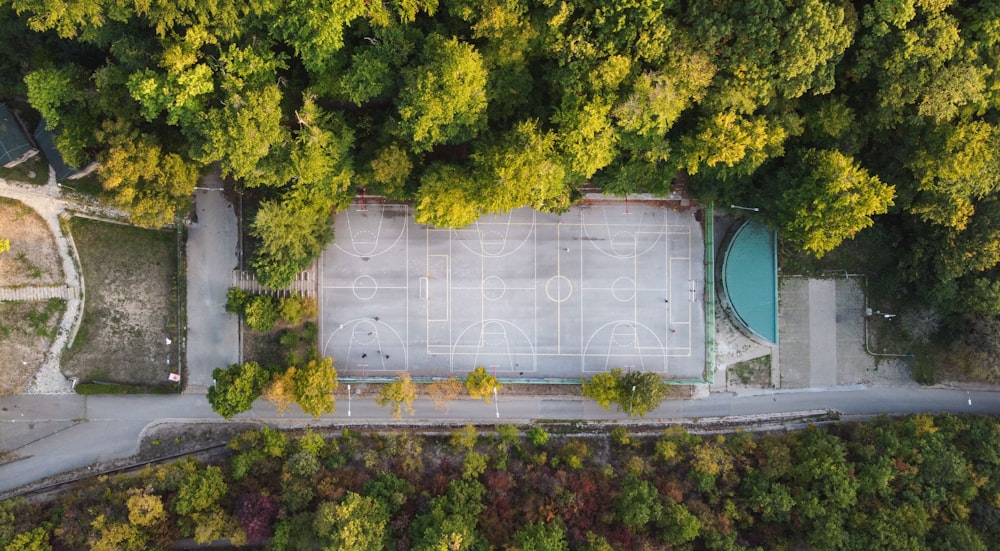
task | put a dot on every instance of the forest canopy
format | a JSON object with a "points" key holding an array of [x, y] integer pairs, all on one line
{"points": [[919, 482], [830, 116]]}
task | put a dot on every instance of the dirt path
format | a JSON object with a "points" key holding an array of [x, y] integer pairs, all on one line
{"points": [[49, 202]]}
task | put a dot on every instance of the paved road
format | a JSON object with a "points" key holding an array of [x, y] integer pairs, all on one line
{"points": [[212, 335], [61, 433]]}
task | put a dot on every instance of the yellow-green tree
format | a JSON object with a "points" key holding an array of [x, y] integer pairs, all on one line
{"points": [[481, 384], [315, 384], [829, 197], [398, 395]]}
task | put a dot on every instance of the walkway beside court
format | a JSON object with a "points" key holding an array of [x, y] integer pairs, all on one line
{"points": [[212, 334]]}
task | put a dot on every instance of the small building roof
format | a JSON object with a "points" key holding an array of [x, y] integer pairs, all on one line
{"points": [[13, 142], [47, 141]]}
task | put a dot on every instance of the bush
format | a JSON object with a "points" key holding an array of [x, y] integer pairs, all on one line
{"points": [[295, 308], [237, 300], [261, 313]]}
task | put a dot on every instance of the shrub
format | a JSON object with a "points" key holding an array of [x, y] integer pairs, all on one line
{"points": [[261, 313]]}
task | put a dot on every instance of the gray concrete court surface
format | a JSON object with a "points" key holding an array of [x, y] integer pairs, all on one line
{"points": [[525, 294], [822, 327], [212, 334]]}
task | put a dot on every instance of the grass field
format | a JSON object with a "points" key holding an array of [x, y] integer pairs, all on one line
{"points": [[129, 304]]}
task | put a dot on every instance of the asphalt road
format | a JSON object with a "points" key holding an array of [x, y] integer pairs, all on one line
{"points": [[58, 433]]}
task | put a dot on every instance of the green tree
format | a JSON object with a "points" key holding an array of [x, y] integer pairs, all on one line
{"points": [[604, 388], [200, 490], [646, 392], [144, 177], [355, 522], [261, 313], [246, 136], [523, 169], [398, 394], [443, 100], [315, 384], [638, 504], [635, 393], [771, 49], [448, 198], [955, 166], [541, 536], [236, 387], [34, 540], [481, 384], [451, 521], [828, 198]]}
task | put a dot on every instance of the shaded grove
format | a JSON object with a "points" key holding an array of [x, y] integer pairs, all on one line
{"points": [[919, 482]]}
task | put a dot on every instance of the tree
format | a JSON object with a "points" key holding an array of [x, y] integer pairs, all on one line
{"points": [[955, 166], [481, 384], [649, 392], [638, 504], [114, 536], [398, 394], [442, 392], [200, 490], [236, 387], [523, 169], [315, 384], [447, 198], [635, 393], [261, 313], [443, 100], [541, 536], [144, 509], [771, 49], [281, 390], [828, 198], [33, 540], [246, 136], [451, 520], [145, 177], [356, 522]]}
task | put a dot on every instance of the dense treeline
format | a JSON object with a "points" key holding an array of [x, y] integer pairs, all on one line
{"points": [[915, 483], [823, 113]]}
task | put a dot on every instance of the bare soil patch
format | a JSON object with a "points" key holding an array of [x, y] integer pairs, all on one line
{"points": [[26, 329], [129, 304], [33, 258]]}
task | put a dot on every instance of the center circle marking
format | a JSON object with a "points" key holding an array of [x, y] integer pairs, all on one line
{"points": [[364, 287], [623, 289], [493, 288], [558, 288]]}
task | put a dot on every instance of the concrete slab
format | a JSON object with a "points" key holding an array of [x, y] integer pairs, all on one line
{"points": [[524, 294], [823, 333], [212, 334]]}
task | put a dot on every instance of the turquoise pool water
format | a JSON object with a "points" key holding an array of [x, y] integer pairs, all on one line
{"points": [[750, 279]]}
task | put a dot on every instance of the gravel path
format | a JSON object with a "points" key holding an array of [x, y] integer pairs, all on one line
{"points": [[51, 204]]}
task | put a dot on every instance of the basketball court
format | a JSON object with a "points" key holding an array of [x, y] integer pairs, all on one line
{"points": [[526, 294]]}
